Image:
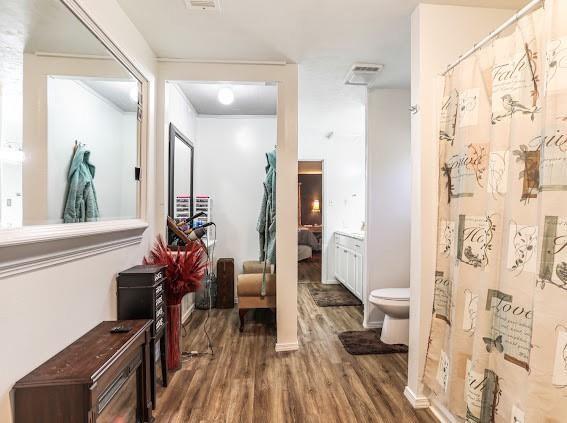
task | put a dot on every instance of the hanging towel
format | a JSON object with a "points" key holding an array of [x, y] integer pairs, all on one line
{"points": [[267, 220], [81, 204]]}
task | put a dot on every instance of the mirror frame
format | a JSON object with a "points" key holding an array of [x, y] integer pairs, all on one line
{"points": [[36, 246], [174, 133]]}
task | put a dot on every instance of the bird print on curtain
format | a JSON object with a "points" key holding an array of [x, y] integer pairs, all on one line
{"points": [[497, 350]]}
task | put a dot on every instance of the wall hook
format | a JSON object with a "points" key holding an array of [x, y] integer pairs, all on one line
{"points": [[414, 110]]}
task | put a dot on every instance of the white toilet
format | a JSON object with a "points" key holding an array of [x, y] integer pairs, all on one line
{"points": [[394, 303]]}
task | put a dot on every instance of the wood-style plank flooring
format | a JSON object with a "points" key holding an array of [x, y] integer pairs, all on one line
{"points": [[309, 271], [247, 381]]}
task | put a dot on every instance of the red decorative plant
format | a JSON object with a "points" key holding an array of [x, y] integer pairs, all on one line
{"points": [[185, 268]]}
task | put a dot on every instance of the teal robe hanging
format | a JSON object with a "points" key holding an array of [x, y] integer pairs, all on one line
{"points": [[81, 204], [267, 220]]}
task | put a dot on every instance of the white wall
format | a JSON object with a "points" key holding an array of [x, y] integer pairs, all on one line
{"points": [[179, 111], [343, 186], [327, 105], [230, 167], [438, 35], [43, 311], [75, 112], [388, 195]]}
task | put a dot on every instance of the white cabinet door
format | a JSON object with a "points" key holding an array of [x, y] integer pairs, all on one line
{"points": [[337, 260], [358, 275], [351, 268], [343, 264]]}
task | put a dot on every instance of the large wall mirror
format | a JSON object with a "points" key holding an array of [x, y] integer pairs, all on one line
{"points": [[69, 121], [181, 164]]}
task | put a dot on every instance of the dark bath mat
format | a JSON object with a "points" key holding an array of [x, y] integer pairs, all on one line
{"points": [[332, 295], [359, 342]]}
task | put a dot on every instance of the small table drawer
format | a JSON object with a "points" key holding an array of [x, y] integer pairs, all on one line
{"points": [[159, 302]]}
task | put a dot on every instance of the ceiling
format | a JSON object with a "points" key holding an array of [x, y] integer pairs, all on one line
{"points": [[297, 31], [32, 26], [116, 92], [249, 99]]}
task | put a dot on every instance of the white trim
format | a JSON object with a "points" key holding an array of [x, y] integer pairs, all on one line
{"points": [[187, 313], [331, 282], [73, 56], [373, 325], [289, 346], [207, 116], [416, 401], [224, 62], [45, 233], [29, 264]]}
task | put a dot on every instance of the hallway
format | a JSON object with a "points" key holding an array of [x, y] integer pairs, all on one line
{"points": [[247, 381]]}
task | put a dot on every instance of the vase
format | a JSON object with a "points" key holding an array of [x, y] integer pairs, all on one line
{"points": [[174, 337]]}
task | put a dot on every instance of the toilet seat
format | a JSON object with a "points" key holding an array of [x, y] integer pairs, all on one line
{"points": [[392, 294]]}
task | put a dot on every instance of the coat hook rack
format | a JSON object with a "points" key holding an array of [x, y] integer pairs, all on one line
{"points": [[414, 110]]}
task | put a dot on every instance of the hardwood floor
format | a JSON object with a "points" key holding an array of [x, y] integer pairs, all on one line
{"points": [[247, 381], [309, 271]]}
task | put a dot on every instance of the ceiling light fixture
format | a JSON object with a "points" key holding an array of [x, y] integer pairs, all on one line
{"points": [[226, 96]]}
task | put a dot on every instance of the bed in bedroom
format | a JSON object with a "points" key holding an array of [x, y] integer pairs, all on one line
{"points": [[307, 243]]}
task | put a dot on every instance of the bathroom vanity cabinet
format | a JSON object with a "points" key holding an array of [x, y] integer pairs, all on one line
{"points": [[349, 253]]}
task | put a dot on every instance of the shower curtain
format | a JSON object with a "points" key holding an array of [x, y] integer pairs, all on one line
{"points": [[497, 350]]}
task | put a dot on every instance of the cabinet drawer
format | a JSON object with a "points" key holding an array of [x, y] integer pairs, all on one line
{"points": [[159, 301], [350, 243], [159, 324]]}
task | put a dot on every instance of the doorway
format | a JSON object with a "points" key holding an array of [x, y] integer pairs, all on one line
{"points": [[311, 212]]}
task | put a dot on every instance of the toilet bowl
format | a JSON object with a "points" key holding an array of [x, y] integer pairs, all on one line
{"points": [[394, 303]]}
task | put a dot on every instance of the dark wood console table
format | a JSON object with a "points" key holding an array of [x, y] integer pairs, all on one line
{"points": [[80, 383]]}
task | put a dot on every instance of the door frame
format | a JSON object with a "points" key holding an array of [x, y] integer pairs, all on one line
{"points": [[323, 215]]}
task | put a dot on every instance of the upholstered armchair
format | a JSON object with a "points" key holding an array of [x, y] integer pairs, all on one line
{"points": [[249, 285]]}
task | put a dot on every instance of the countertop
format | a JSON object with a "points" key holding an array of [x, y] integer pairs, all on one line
{"points": [[355, 235]]}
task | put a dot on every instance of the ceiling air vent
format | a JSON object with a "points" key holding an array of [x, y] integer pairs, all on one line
{"points": [[362, 73], [203, 5]]}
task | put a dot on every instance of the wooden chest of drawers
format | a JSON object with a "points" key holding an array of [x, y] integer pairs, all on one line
{"points": [[141, 295], [86, 381]]}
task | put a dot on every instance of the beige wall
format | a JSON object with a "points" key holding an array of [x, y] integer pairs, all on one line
{"points": [[438, 35], [286, 191], [45, 310]]}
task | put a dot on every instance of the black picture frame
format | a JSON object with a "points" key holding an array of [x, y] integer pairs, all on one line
{"points": [[175, 133]]}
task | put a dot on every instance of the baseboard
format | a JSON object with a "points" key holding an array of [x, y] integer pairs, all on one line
{"points": [[289, 346], [373, 325], [416, 401], [187, 314], [331, 282], [441, 412]]}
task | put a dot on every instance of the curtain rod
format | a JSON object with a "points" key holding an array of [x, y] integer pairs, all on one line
{"points": [[522, 12]]}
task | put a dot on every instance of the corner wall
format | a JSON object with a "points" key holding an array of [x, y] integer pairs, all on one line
{"points": [[43, 311], [286, 196], [388, 195], [438, 35]]}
